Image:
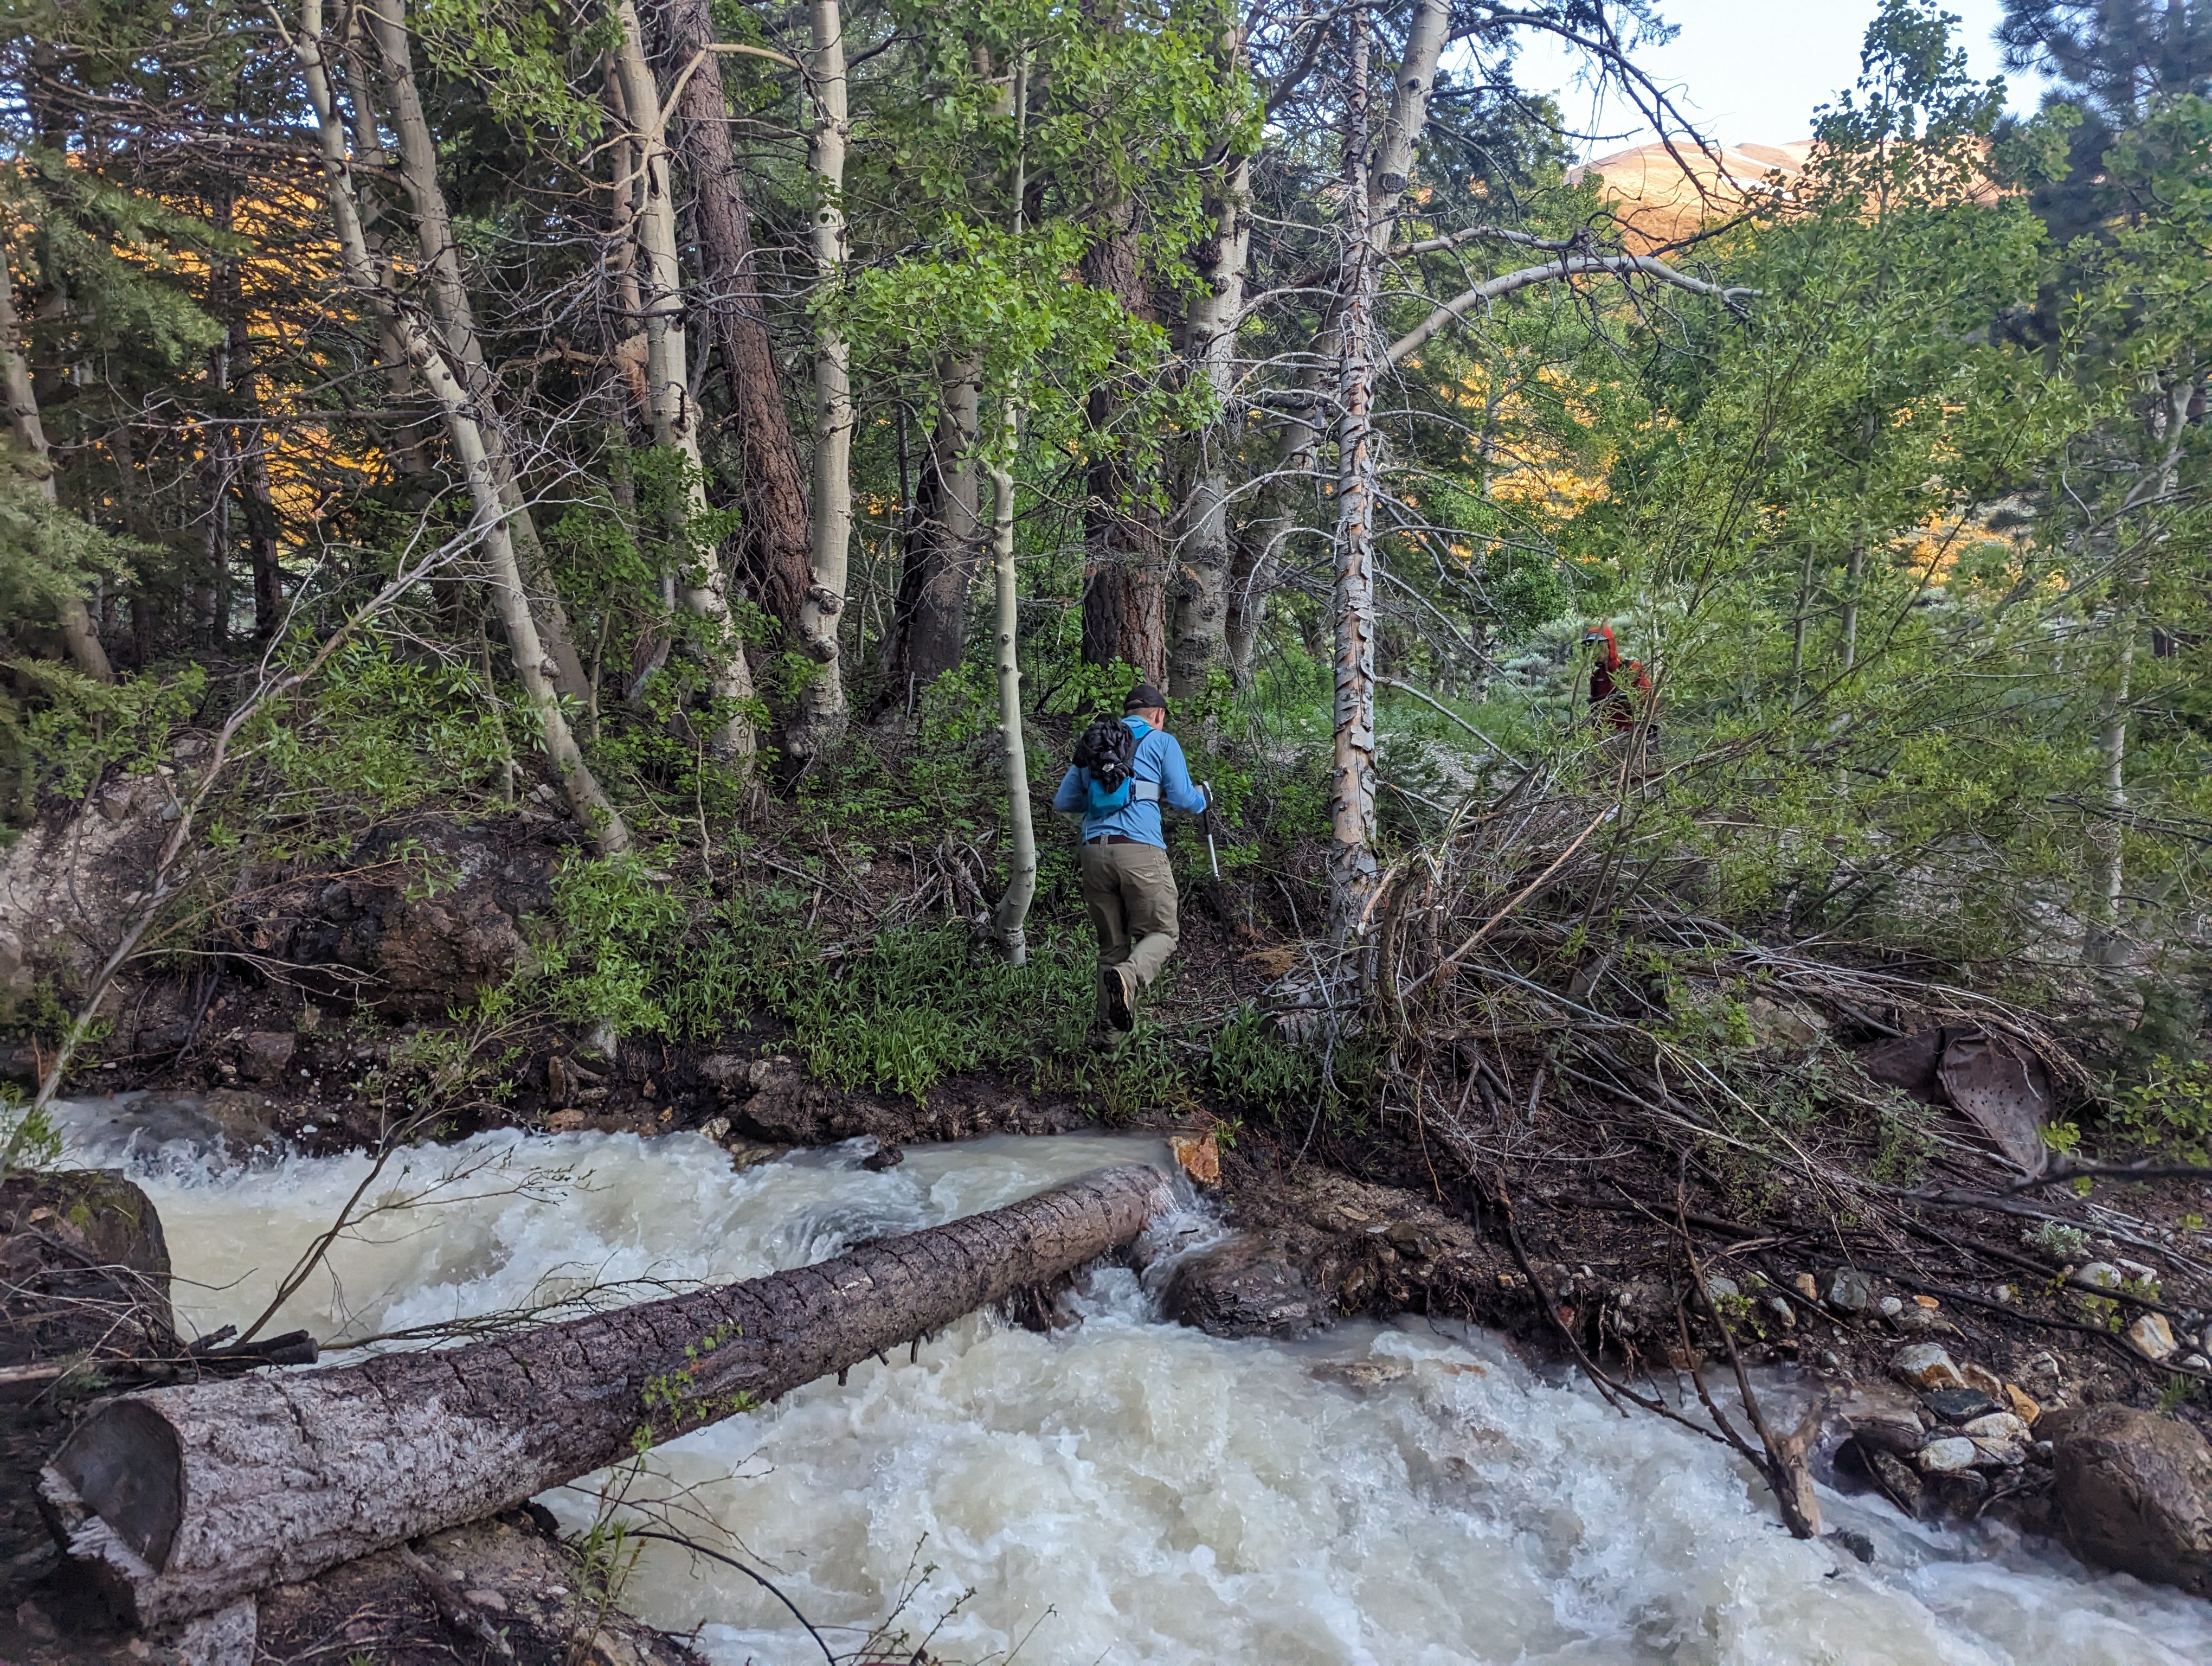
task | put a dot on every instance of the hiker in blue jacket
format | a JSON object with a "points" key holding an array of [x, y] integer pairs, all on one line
{"points": [[1128, 887]]}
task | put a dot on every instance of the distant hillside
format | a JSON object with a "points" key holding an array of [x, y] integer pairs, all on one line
{"points": [[1661, 195]]}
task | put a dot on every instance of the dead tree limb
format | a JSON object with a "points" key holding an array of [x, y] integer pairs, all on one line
{"points": [[184, 1499]]}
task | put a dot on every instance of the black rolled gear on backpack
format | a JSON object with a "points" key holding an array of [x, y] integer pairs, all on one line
{"points": [[1108, 750]]}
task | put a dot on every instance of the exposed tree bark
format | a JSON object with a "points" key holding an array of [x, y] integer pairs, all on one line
{"points": [[776, 539], [1125, 598], [591, 804], [84, 649], [182, 1499], [1352, 606], [929, 627], [456, 315], [819, 723], [2105, 942], [1009, 919], [1199, 615], [675, 419], [1011, 914]]}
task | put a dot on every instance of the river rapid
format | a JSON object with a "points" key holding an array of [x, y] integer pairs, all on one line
{"points": [[1122, 1490]]}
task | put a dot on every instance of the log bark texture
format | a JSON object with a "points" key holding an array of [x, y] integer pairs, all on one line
{"points": [[182, 1499]]}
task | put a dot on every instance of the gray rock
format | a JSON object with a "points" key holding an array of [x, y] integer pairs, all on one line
{"points": [[1949, 1456], [1891, 1307], [1926, 1365], [2101, 1273], [2153, 1335], [1961, 1405], [1999, 1454], [1781, 1309], [1997, 1426], [1246, 1287], [2133, 1492], [1848, 1291]]}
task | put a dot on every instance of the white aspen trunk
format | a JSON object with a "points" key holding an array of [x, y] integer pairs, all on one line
{"points": [[2105, 944], [819, 723], [456, 316], [585, 798], [1351, 603], [705, 590], [1011, 914], [1009, 919], [84, 649]]}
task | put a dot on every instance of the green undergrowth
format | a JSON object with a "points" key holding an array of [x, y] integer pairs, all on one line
{"points": [[627, 953]]}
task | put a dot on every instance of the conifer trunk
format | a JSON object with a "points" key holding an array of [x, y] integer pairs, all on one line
{"points": [[777, 538], [675, 416], [85, 652]]}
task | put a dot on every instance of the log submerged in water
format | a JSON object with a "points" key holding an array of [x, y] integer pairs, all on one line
{"points": [[184, 1499]]}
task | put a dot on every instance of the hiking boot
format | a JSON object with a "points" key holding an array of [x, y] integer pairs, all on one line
{"points": [[1120, 1010]]}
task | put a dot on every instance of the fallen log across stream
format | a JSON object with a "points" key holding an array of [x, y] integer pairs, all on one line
{"points": [[182, 1500]]}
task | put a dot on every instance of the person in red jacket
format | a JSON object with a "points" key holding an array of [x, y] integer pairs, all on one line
{"points": [[1618, 688]]}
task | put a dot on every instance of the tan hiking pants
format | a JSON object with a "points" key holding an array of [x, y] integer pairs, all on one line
{"points": [[1130, 891]]}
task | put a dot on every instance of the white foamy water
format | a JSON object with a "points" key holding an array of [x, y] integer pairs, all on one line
{"points": [[1124, 1490]]}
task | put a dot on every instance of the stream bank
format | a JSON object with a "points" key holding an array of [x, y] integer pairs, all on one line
{"points": [[1127, 1488]]}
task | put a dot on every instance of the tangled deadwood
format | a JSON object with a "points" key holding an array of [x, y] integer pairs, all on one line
{"points": [[1559, 1021]]}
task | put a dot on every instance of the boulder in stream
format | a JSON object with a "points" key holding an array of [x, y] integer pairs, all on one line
{"points": [[1248, 1286], [2133, 1492]]}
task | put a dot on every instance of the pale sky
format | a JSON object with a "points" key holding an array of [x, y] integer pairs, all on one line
{"points": [[1747, 71]]}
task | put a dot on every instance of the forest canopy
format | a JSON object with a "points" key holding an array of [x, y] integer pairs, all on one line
{"points": [[700, 417]]}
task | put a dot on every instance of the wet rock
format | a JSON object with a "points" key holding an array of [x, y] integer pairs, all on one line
{"points": [[1926, 1365], [716, 1129], [1960, 1405], [1948, 1454], [266, 1054], [885, 1156], [2133, 1492], [1848, 1291], [1899, 1482], [1857, 1543], [1246, 1287], [2152, 1335], [1891, 1429]]}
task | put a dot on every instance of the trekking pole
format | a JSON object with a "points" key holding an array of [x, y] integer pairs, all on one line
{"points": [[1211, 855]]}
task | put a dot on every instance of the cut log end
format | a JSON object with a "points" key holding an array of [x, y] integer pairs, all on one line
{"points": [[184, 1499]]}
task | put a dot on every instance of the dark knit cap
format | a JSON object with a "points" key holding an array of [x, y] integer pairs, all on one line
{"points": [[1142, 696]]}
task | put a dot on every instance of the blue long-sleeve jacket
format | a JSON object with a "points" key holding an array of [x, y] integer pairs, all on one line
{"points": [[1159, 758]]}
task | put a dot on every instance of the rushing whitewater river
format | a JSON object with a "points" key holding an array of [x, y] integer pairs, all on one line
{"points": [[1124, 1490]]}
